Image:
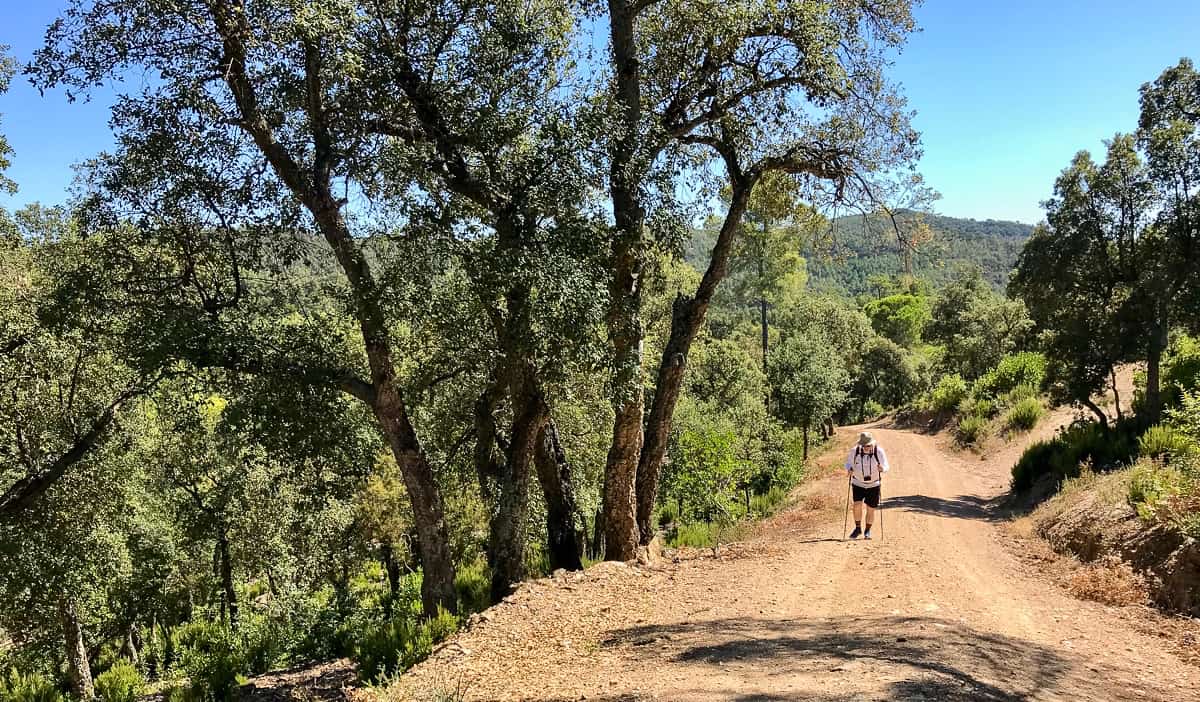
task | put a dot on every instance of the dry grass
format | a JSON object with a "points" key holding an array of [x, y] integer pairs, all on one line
{"points": [[1109, 581]]}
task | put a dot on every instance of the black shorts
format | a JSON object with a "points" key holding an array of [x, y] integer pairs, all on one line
{"points": [[869, 495]]}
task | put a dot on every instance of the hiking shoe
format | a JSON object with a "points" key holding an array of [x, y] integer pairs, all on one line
{"points": [[855, 534], [867, 533]]}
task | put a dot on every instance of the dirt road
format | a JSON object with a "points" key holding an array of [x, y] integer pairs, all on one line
{"points": [[938, 607]]}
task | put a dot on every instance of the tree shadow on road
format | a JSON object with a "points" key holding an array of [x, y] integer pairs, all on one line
{"points": [[909, 657], [960, 507]]}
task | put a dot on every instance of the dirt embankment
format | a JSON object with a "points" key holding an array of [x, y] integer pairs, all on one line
{"points": [[1093, 521]]}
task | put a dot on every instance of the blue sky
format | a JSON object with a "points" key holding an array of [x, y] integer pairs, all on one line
{"points": [[1005, 94]]}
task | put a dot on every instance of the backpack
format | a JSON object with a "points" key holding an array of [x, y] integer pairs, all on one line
{"points": [[868, 475]]}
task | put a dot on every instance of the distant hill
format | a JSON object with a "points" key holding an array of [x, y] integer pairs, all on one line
{"points": [[856, 248], [860, 247]]}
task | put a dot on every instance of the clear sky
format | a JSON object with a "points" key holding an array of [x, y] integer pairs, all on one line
{"points": [[1005, 94]]}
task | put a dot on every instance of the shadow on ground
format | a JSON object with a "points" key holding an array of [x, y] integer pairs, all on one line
{"points": [[960, 507], [869, 657], [321, 683]]}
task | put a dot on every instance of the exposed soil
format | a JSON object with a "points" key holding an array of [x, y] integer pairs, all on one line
{"points": [[946, 603]]}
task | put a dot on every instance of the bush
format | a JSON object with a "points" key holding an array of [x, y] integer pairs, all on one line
{"points": [[949, 393], [1082, 442], [400, 644], [120, 683], [971, 430], [212, 658], [1150, 486], [1163, 441], [1016, 395], [17, 687], [978, 407], [473, 584], [699, 535], [1025, 414], [768, 504], [1013, 371]]}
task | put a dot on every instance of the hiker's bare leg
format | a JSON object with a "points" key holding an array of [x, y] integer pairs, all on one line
{"points": [[870, 515], [858, 508]]}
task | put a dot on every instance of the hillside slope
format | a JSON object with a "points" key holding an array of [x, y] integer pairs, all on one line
{"points": [[861, 247]]}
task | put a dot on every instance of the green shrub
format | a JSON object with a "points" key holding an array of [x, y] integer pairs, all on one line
{"points": [[872, 410], [1163, 441], [473, 584], [1016, 395], [767, 504], [400, 644], [697, 535], [978, 407], [32, 687], [212, 658], [1025, 414], [1181, 370], [949, 393], [971, 430], [1150, 486], [1082, 442], [1013, 371], [120, 683]]}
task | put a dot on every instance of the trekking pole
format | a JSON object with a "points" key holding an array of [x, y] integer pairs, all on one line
{"points": [[846, 519], [881, 507]]}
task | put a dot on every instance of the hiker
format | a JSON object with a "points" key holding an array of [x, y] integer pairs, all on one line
{"points": [[866, 465]]}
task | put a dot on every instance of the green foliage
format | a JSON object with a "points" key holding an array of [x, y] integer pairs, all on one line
{"points": [[1151, 485], [809, 380], [1025, 369], [1164, 442], [974, 326], [1186, 417], [1082, 442], [901, 318], [120, 683], [400, 644], [212, 658], [473, 583], [29, 687], [971, 430], [696, 535], [886, 374], [1025, 414], [948, 394], [1180, 370], [702, 476], [978, 407], [768, 503], [866, 247]]}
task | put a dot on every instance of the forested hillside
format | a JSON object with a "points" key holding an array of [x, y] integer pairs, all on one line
{"points": [[858, 247]]}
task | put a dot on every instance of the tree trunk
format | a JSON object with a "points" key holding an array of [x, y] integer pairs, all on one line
{"points": [[1154, 354], [425, 496], [554, 474], [805, 428], [488, 461], [130, 647], [229, 595], [1116, 393], [625, 290], [78, 669], [392, 567], [687, 316], [1100, 415], [597, 545], [313, 186], [507, 541]]}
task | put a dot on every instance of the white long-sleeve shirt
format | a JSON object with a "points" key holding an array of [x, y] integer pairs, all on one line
{"points": [[867, 469]]}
